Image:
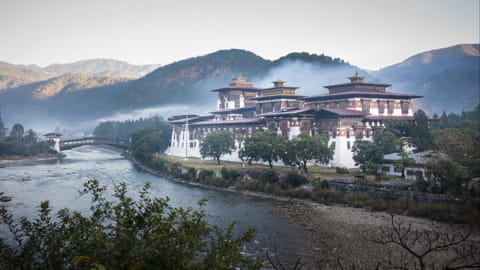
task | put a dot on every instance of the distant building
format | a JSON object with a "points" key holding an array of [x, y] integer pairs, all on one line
{"points": [[55, 137], [415, 169], [349, 112]]}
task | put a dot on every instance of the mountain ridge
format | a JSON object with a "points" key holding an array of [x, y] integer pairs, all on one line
{"points": [[432, 73], [424, 71], [12, 76]]}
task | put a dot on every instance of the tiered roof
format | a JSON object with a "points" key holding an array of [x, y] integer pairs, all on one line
{"points": [[357, 88], [279, 90], [238, 83]]}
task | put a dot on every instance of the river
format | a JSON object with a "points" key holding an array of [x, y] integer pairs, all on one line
{"points": [[60, 182]]}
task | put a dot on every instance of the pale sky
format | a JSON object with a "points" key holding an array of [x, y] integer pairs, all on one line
{"points": [[368, 33]]}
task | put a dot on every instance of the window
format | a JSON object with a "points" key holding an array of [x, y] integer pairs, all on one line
{"points": [[366, 106], [381, 107], [348, 145], [390, 107], [405, 106], [397, 170], [385, 169]]}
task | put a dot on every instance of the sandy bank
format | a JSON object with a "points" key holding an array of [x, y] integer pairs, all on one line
{"points": [[25, 161]]}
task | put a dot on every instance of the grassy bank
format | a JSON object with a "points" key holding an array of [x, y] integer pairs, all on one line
{"points": [[285, 182]]}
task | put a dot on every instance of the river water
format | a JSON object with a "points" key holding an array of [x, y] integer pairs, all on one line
{"points": [[60, 182]]}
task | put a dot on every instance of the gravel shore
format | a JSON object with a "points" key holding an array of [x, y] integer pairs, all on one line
{"points": [[25, 161], [345, 234]]}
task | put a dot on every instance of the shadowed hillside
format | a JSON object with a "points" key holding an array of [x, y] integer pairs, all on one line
{"points": [[449, 78]]}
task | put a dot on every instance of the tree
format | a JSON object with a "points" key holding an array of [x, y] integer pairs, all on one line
{"points": [[428, 249], [368, 155], [305, 148], [17, 132], [216, 144], [266, 146], [461, 144], [447, 172], [420, 132], [2, 129], [150, 140], [387, 141], [123, 233]]}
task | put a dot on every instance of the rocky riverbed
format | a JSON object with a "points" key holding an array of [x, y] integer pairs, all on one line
{"points": [[339, 234]]}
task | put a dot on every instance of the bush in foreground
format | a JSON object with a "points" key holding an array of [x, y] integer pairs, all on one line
{"points": [[122, 233]]}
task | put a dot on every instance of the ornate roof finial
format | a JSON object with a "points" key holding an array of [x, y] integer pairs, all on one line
{"points": [[356, 78], [278, 83]]}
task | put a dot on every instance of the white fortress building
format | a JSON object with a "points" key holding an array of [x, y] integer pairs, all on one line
{"points": [[349, 112]]}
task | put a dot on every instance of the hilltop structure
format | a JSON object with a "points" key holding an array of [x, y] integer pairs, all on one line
{"points": [[349, 112]]}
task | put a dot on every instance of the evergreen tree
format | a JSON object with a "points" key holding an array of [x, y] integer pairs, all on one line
{"points": [[2, 129], [17, 132]]}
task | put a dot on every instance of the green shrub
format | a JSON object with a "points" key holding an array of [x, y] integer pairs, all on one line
{"points": [[273, 188], [342, 170], [319, 183], [175, 169], [300, 193], [216, 182], [204, 173], [292, 180], [122, 234], [229, 174], [191, 173], [269, 176]]}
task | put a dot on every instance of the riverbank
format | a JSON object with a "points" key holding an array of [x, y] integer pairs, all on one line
{"points": [[11, 161], [335, 233]]}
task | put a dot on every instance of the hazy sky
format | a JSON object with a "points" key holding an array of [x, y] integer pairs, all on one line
{"points": [[370, 34]]}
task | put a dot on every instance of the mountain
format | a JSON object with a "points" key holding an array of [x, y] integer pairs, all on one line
{"points": [[448, 78], [102, 67], [188, 81], [183, 82], [12, 76]]}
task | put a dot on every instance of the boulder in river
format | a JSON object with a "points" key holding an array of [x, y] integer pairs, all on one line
{"points": [[5, 199]]}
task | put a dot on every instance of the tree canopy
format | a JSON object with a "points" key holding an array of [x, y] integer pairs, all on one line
{"points": [[150, 140], [21, 143], [367, 155], [265, 146], [304, 148], [418, 131], [122, 130], [216, 144]]}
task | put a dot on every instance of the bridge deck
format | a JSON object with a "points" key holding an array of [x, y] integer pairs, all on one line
{"points": [[68, 144]]}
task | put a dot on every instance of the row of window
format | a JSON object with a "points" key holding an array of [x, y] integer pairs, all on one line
{"points": [[365, 106]]}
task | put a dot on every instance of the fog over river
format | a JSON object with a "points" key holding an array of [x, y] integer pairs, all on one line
{"points": [[60, 182]]}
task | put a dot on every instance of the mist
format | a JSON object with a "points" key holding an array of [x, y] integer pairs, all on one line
{"points": [[311, 78]]}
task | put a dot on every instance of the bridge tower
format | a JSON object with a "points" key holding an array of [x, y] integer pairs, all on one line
{"points": [[55, 137]]}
